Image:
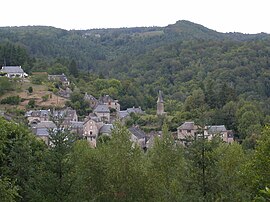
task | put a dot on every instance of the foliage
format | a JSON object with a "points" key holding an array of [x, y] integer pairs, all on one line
{"points": [[19, 157], [31, 103], [12, 100], [5, 85], [30, 89]]}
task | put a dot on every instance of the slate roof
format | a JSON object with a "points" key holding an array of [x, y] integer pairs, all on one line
{"points": [[12, 69], [61, 77], [76, 124], [42, 132], [137, 132], [135, 110], [89, 97], [105, 99], [106, 128], [38, 113], [123, 114], [101, 108], [188, 126], [46, 124], [216, 129]]}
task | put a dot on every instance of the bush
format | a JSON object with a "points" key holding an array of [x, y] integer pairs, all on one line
{"points": [[30, 89], [31, 103], [45, 97], [12, 100]]}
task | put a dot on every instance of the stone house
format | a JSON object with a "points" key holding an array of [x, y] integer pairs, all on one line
{"points": [[93, 102], [91, 127], [61, 78], [111, 103], [221, 131], [123, 114], [41, 130], [66, 115], [36, 116], [76, 127], [13, 71], [188, 130], [102, 112], [138, 136]]}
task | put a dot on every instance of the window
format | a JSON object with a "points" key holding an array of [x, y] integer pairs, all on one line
{"points": [[189, 131]]}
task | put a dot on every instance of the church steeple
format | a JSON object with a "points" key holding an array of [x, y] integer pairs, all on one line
{"points": [[160, 104]]}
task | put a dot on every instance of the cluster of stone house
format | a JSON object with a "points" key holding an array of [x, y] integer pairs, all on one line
{"points": [[189, 131], [94, 125], [13, 72], [106, 111]]}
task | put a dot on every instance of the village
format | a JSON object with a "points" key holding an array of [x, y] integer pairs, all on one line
{"points": [[106, 111]]}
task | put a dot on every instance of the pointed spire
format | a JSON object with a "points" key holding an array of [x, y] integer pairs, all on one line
{"points": [[160, 98]]}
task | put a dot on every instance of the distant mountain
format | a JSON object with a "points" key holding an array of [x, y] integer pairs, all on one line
{"points": [[87, 46]]}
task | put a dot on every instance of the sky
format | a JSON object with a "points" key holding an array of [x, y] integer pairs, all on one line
{"points": [[246, 16]]}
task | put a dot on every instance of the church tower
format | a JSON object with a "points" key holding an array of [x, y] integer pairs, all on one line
{"points": [[160, 104]]}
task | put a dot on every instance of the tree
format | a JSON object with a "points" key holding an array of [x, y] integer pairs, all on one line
{"points": [[73, 69], [20, 153], [230, 176], [124, 162], [55, 178], [166, 169], [259, 167]]}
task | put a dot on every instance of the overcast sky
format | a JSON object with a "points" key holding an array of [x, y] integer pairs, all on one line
{"points": [[246, 16]]}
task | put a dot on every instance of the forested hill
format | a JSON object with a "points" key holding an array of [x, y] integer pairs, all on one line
{"points": [[90, 47], [193, 65]]}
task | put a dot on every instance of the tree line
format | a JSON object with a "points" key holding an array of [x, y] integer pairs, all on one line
{"points": [[118, 170]]}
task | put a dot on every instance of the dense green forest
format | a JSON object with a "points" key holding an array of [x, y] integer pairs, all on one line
{"points": [[117, 170]]}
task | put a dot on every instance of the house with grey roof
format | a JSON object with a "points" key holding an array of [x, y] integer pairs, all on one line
{"points": [[41, 130], [138, 136], [219, 130], [106, 129], [91, 100], [91, 128], [102, 112], [36, 116], [60, 77], [110, 102], [189, 130], [76, 127], [123, 114], [13, 71]]}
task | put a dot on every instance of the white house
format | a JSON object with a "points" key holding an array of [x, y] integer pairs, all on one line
{"points": [[13, 71]]}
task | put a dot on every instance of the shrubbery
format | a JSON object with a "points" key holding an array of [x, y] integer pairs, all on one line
{"points": [[12, 100]]}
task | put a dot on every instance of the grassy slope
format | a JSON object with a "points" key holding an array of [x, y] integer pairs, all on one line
{"points": [[38, 92]]}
